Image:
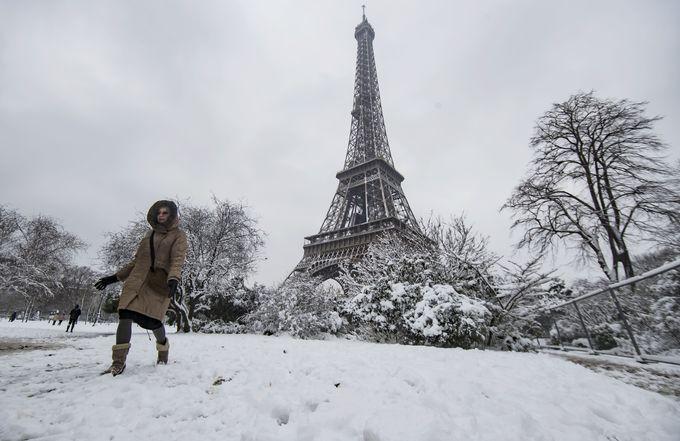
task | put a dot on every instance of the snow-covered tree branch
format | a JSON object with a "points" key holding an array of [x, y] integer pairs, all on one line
{"points": [[598, 180]]}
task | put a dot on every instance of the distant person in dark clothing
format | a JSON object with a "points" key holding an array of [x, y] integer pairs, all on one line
{"points": [[73, 317], [60, 318], [13, 316]]}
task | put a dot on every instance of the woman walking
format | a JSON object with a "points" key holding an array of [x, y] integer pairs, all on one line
{"points": [[149, 281]]}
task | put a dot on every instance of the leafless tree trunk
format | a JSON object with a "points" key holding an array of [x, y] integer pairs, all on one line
{"points": [[98, 311], [182, 317], [27, 310]]}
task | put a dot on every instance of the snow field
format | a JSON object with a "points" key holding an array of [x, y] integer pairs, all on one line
{"points": [[247, 387]]}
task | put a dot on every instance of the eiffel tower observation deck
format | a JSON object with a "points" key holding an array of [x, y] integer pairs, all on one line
{"points": [[369, 201]]}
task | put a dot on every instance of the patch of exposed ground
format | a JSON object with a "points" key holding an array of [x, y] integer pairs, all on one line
{"points": [[10, 345], [655, 377]]}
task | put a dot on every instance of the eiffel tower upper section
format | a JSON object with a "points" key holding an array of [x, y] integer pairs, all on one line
{"points": [[368, 137], [369, 198]]}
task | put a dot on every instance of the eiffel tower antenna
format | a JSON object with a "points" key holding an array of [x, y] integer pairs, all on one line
{"points": [[369, 200], [363, 9]]}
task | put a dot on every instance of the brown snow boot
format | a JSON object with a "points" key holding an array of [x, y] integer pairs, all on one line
{"points": [[119, 355], [163, 350]]}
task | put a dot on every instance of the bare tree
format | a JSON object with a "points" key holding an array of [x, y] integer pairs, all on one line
{"points": [[10, 222], [223, 245], [597, 181], [525, 287], [120, 246], [34, 253], [224, 242], [77, 287], [465, 255], [668, 236], [524, 290], [300, 305]]}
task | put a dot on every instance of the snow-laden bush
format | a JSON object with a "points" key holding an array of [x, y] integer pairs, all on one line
{"points": [[417, 313], [580, 342], [218, 327], [515, 342], [300, 306], [605, 335], [443, 317], [666, 312], [568, 331], [523, 293], [399, 292], [604, 341]]}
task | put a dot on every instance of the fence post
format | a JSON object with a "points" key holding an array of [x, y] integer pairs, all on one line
{"points": [[585, 328], [559, 335], [625, 323]]}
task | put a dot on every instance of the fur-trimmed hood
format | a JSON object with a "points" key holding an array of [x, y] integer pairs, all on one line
{"points": [[173, 220]]}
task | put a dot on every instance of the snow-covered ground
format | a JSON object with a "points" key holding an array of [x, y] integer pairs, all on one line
{"points": [[246, 387]]}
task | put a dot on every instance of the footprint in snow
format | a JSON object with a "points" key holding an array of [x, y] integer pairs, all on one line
{"points": [[281, 415], [370, 435]]}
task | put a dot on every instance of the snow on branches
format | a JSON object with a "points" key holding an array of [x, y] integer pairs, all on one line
{"points": [[598, 180], [399, 292], [301, 306], [223, 246], [34, 254], [224, 242]]}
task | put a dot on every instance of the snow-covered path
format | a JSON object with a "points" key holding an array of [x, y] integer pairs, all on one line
{"points": [[246, 387]]}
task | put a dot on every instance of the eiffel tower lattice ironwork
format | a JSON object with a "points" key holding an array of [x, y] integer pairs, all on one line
{"points": [[369, 200]]}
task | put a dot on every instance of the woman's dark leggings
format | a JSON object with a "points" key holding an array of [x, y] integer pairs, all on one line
{"points": [[124, 332]]}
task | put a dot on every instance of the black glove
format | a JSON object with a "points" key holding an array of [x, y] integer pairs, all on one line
{"points": [[172, 286], [105, 281]]}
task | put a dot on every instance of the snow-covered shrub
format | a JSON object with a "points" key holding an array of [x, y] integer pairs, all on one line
{"points": [[580, 342], [569, 330], [417, 313], [604, 341], [666, 312], [228, 301], [110, 303], [466, 261], [300, 306], [523, 293], [604, 337], [398, 293], [515, 342], [653, 307], [376, 314], [443, 317], [218, 327]]}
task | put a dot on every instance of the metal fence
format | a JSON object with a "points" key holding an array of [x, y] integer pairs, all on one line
{"points": [[614, 320]]}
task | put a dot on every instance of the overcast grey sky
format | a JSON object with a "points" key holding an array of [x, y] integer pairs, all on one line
{"points": [[106, 107]]}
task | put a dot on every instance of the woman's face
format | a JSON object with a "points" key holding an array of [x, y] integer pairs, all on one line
{"points": [[163, 215]]}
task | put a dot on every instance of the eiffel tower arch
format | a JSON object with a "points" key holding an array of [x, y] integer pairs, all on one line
{"points": [[369, 201]]}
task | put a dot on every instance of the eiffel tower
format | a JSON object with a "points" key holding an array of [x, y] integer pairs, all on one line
{"points": [[369, 201]]}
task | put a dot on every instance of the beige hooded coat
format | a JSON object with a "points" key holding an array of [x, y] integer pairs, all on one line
{"points": [[146, 291]]}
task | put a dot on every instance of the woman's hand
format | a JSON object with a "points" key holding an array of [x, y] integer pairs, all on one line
{"points": [[172, 286], [105, 281]]}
